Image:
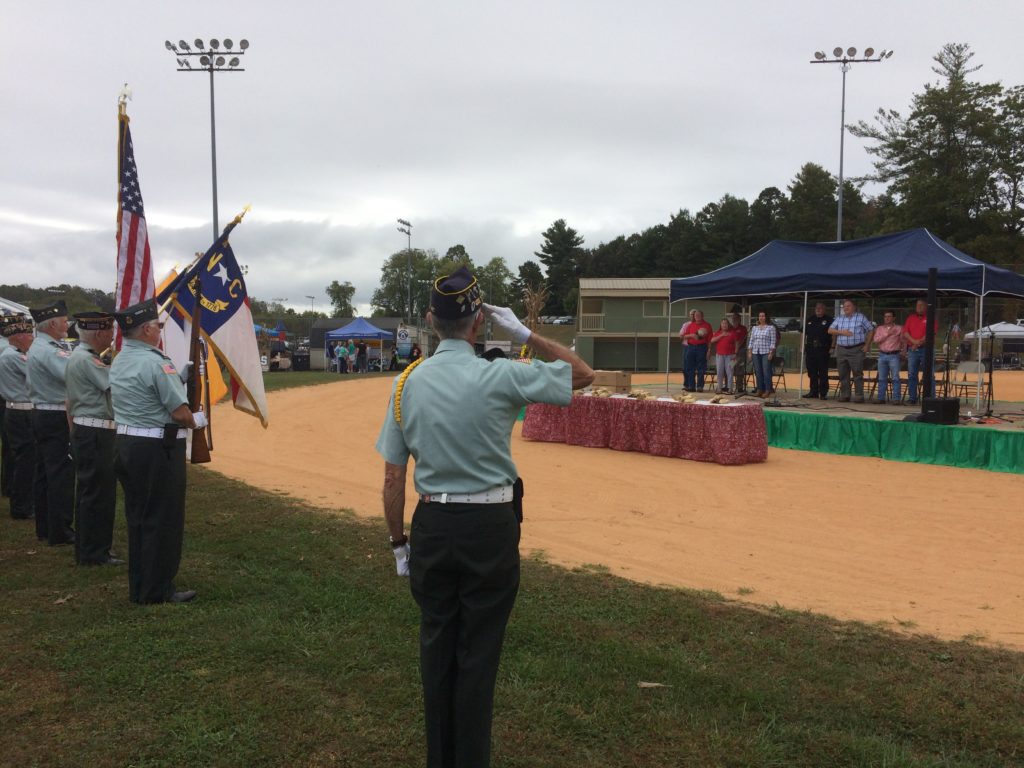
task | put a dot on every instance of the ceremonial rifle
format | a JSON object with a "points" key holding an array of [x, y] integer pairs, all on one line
{"points": [[194, 384]]}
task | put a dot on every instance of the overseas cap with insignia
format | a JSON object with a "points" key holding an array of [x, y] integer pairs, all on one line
{"points": [[94, 321], [57, 309], [15, 324], [455, 296], [136, 314]]}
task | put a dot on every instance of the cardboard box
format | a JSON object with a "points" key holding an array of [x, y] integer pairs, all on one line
{"points": [[614, 381]]}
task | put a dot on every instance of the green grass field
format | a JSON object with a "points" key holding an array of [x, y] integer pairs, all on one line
{"points": [[289, 379], [301, 651]]}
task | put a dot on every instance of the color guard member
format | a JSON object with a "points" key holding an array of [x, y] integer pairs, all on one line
{"points": [[152, 416], [17, 331], [54, 484], [92, 440]]}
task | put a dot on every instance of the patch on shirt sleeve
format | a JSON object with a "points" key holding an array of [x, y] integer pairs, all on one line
{"points": [[168, 368]]}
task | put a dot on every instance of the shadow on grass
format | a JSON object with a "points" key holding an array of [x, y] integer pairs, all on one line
{"points": [[301, 650]]}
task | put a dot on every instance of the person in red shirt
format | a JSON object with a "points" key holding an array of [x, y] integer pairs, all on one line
{"points": [[696, 335], [724, 342], [915, 330]]}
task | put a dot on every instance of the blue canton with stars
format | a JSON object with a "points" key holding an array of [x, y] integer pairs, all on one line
{"points": [[131, 194], [223, 286]]}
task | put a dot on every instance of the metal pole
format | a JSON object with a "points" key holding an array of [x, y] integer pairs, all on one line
{"points": [[213, 150], [842, 137], [408, 251], [803, 345]]}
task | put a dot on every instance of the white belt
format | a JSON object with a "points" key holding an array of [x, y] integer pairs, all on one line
{"points": [[499, 495], [123, 429], [88, 421], [51, 407], [20, 406]]}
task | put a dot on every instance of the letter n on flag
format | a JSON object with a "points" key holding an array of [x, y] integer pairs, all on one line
{"points": [[134, 267]]}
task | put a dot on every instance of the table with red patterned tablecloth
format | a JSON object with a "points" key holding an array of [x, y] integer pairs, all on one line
{"points": [[724, 434]]}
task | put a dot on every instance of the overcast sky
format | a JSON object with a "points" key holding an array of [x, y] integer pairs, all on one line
{"points": [[480, 122]]}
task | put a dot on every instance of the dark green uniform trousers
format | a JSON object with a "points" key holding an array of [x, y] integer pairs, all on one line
{"points": [[153, 478], [95, 494], [464, 574], [6, 454], [54, 484], [18, 426]]}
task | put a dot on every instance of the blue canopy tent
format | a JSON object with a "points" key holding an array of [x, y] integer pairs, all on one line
{"points": [[886, 265], [358, 329]]}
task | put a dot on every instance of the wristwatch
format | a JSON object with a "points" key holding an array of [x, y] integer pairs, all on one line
{"points": [[401, 541]]}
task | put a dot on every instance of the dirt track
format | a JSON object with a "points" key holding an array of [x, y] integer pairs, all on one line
{"points": [[927, 549]]}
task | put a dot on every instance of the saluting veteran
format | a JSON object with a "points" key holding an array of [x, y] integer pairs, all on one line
{"points": [[152, 416], [17, 331], [454, 414], [92, 440], [54, 486]]}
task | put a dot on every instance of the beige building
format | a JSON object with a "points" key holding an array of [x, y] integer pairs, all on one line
{"points": [[623, 323]]}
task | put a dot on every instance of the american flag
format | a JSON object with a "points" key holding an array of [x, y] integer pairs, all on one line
{"points": [[134, 266]]}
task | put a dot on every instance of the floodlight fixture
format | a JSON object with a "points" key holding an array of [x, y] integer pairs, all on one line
{"points": [[888, 55], [244, 44], [845, 60], [403, 221], [207, 56]]}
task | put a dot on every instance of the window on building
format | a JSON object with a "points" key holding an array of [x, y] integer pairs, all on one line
{"points": [[592, 306], [654, 308]]}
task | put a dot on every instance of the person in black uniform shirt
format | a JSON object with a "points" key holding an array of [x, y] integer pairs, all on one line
{"points": [[817, 349], [151, 411], [454, 414]]}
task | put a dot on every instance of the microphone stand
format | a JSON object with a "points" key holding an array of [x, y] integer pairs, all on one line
{"points": [[991, 367]]}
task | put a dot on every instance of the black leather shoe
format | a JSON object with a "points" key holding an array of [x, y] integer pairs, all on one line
{"points": [[809, 394], [113, 561], [182, 597], [63, 542]]}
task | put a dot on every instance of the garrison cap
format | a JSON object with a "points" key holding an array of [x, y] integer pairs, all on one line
{"points": [[137, 314], [15, 324], [94, 321], [455, 296], [57, 309]]}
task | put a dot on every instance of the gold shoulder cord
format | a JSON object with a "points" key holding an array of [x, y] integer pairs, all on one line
{"points": [[400, 386]]}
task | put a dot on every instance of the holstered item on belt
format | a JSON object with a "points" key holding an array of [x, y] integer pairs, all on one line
{"points": [[170, 437], [517, 498]]}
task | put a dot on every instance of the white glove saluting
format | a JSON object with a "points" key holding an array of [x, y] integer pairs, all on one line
{"points": [[401, 553], [506, 319]]}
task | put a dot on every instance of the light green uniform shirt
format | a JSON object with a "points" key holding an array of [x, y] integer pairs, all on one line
{"points": [[47, 361], [144, 386], [458, 411], [14, 375], [88, 384]]}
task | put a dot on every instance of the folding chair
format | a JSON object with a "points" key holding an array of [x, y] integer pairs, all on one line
{"points": [[779, 373]]}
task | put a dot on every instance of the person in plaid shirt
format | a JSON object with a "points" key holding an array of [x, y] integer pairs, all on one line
{"points": [[853, 334]]}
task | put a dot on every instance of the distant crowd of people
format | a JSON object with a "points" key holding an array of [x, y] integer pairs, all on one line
{"points": [[353, 357], [848, 337]]}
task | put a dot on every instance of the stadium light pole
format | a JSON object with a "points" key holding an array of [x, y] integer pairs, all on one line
{"points": [[406, 229], [844, 59], [210, 60]]}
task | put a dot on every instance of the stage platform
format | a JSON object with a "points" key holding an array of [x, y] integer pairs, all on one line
{"points": [[868, 429]]}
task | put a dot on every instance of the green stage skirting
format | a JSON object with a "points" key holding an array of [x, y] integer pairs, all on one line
{"points": [[975, 447]]}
